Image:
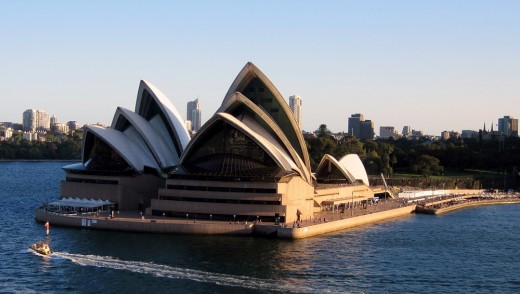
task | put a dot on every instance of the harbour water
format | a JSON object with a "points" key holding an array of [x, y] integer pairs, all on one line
{"points": [[472, 250]]}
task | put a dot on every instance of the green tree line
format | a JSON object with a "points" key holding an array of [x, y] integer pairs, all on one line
{"points": [[54, 147], [420, 156]]}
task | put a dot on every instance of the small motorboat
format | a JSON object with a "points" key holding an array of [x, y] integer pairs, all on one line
{"points": [[42, 248]]}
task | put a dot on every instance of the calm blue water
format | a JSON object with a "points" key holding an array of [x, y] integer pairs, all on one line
{"points": [[472, 250]]}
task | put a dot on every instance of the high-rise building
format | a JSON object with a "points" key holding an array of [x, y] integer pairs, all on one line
{"points": [[193, 114], [54, 122], [295, 104], [36, 120], [29, 120], [407, 130], [359, 127], [508, 126], [44, 121], [354, 124], [366, 130]]}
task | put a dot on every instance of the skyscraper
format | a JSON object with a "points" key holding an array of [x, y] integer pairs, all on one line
{"points": [[193, 114], [508, 126], [359, 127], [295, 104], [367, 130], [29, 120], [354, 124], [43, 120], [407, 130], [36, 120]]}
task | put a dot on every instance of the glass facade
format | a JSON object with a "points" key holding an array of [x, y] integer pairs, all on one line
{"points": [[330, 174], [229, 152], [101, 157], [257, 92]]}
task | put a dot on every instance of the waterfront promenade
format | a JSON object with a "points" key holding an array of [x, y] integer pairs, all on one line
{"points": [[326, 221], [320, 223], [443, 204]]}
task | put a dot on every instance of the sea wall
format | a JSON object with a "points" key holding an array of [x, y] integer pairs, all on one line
{"points": [[146, 226], [323, 228]]}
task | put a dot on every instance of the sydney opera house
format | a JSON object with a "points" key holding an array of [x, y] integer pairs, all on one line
{"points": [[248, 161]]}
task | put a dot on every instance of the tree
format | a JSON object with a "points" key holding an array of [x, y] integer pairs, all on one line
{"points": [[426, 166], [349, 145]]}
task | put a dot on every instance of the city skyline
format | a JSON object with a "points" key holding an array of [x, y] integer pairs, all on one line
{"points": [[429, 65], [504, 124]]}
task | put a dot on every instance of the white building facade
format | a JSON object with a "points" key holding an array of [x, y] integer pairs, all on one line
{"points": [[295, 104]]}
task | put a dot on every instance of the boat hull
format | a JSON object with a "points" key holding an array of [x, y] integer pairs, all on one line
{"points": [[42, 249]]}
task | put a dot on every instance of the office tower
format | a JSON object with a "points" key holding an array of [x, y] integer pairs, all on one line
{"points": [[366, 130], [359, 127], [354, 124], [193, 114], [295, 104], [508, 126], [407, 130]]}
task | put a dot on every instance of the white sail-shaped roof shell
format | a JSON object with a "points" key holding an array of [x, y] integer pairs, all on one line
{"points": [[154, 142], [292, 130], [133, 154], [355, 167], [281, 158], [274, 134], [326, 163], [168, 122]]}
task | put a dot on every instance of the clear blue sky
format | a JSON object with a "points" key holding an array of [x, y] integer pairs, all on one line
{"points": [[433, 65]]}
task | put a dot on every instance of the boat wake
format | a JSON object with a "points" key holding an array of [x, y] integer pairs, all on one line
{"points": [[165, 271]]}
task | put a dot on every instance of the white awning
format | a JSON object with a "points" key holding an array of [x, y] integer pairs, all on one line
{"points": [[80, 203]]}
